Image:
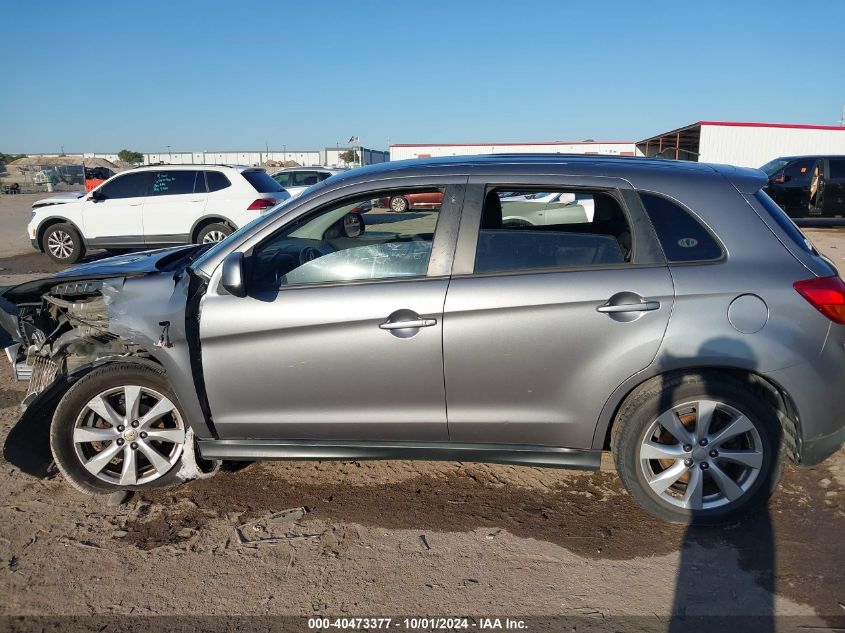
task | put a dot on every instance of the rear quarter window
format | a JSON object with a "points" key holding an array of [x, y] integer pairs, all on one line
{"points": [[216, 181], [785, 222], [261, 182], [683, 237]]}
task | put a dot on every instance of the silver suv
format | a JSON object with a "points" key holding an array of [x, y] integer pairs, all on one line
{"points": [[684, 323]]}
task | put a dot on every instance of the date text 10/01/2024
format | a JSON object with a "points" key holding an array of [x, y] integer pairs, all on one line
{"points": [[413, 624]]}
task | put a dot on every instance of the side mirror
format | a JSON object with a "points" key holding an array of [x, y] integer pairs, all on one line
{"points": [[353, 225], [233, 279], [97, 196]]}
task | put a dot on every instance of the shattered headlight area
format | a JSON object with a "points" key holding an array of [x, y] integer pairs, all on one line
{"points": [[67, 330]]}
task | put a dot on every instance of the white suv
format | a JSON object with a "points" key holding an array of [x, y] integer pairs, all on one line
{"points": [[153, 206], [295, 180]]}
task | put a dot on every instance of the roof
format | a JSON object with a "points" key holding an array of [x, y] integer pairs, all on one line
{"points": [[614, 166], [510, 144], [195, 165]]}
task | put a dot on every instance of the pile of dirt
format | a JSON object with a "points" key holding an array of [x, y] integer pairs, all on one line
{"points": [[279, 164]]}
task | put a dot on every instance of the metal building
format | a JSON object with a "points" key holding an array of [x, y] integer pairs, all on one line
{"points": [[401, 151], [743, 144]]}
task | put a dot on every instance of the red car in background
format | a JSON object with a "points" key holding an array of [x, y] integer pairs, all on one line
{"points": [[402, 202]]}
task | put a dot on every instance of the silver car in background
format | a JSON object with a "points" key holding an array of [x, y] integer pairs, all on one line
{"points": [[687, 326]]}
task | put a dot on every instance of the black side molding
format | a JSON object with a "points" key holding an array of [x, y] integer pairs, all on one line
{"points": [[519, 454]]}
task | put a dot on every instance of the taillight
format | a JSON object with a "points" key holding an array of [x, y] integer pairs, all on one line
{"points": [[825, 294], [261, 203]]}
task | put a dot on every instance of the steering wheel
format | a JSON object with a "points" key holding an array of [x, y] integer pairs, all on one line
{"points": [[308, 254]]}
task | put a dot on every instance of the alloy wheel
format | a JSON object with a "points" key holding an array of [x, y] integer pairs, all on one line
{"points": [[398, 204], [60, 244], [701, 455], [212, 237], [129, 435]]}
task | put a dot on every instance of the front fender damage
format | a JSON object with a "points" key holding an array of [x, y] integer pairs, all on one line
{"points": [[81, 325]]}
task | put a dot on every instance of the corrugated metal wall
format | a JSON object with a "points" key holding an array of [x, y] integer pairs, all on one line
{"points": [[755, 146], [401, 152]]}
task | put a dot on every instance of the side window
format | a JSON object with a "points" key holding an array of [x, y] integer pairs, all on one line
{"points": [[837, 169], [304, 178], [283, 179], [798, 172], [128, 186], [216, 181], [682, 237], [324, 176], [172, 182], [347, 241], [525, 229]]}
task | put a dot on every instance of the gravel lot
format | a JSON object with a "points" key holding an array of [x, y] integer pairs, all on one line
{"points": [[390, 538]]}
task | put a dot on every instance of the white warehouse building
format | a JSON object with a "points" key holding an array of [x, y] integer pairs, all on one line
{"points": [[743, 144], [401, 151]]}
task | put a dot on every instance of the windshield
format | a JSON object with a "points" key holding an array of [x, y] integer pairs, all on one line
{"points": [[774, 166]]}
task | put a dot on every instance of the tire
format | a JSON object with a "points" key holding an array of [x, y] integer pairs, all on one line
{"points": [[399, 204], [649, 457], [213, 233], [62, 243], [84, 430]]}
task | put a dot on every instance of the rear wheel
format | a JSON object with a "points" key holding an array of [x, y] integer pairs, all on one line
{"points": [[119, 427], [63, 244], [698, 448], [399, 204], [213, 233]]}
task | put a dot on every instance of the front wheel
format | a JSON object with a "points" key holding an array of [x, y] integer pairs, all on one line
{"points": [[699, 449], [119, 427], [63, 244]]}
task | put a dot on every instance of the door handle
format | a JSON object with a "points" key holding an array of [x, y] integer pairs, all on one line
{"points": [[645, 306], [402, 325], [135, 204]]}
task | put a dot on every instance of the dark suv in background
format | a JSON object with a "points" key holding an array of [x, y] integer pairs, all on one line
{"points": [[790, 180]]}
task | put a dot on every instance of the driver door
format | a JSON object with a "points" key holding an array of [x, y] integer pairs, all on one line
{"points": [[340, 335], [115, 215]]}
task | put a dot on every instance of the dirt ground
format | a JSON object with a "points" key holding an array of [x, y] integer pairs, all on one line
{"points": [[398, 538]]}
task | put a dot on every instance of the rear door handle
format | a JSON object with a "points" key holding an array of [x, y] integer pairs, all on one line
{"points": [[645, 306], [402, 325]]}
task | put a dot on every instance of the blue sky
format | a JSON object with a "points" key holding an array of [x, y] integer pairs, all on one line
{"points": [[213, 75]]}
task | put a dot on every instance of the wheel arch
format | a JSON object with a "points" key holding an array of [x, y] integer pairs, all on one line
{"points": [[204, 221], [46, 223], [773, 393]]}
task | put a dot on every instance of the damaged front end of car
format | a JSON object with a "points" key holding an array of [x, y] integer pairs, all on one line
{"points": [[63, 332], [141, 309]]}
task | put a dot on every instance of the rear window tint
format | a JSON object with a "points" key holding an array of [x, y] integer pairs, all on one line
{"points": [[216, 180], [262, 182], [785, 222], [682, 237]]}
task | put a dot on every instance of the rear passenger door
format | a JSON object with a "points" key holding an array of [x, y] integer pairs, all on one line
{"points": [[176, 200], [541, 323], [834, 188]]}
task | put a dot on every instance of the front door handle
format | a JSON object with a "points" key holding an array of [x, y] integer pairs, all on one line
{"points": [[645, 306], [402, 325]]}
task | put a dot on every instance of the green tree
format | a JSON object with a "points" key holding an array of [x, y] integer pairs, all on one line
{"points": [[349, 157], [8, 158], [128, 156]]}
